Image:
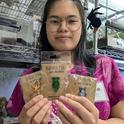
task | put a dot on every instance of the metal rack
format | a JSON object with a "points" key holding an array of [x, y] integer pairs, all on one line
{"points": [[22, 9], [28, 55], [23, 56], [112, 53]]}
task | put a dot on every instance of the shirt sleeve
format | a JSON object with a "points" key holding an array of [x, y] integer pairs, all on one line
{"points": [[116, 87], [16, 101]]}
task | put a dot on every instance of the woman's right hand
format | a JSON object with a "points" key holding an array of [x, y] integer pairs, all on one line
{"points": [[36, 111]]}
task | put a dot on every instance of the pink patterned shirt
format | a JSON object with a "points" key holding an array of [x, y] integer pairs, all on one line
{"points": [[106, 71]]}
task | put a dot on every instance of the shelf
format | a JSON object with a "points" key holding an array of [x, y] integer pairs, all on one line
{"points": [[114, 53], [18, 55]]}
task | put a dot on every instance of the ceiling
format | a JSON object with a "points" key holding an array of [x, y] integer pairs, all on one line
{"points": [[25, 9]]}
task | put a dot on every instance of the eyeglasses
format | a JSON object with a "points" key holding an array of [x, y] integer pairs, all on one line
{"points": [[54, 23]]}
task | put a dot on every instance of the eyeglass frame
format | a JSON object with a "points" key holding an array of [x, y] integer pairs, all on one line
{"points": [[62, 19]]}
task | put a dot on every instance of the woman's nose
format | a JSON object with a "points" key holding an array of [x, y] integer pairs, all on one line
{"points": [[63, 27]]}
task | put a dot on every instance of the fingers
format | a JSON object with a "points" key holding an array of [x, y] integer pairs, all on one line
{"points": [[47, 117], [85, 110], [83, 101], [78, 108], [22, 116], [63, 119], [36, 111], [33, 101], [70, 117], [38, 118], [31, 112], [86, 103]]}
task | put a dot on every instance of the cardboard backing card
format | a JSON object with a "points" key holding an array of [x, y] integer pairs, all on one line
{"points": [[33, 84], [41, 83], [53, 80], [57, 72], [86, 86]]}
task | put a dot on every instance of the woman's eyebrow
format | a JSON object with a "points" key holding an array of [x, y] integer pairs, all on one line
{"points": [[73, 16], [56, 17], [69, 16]]}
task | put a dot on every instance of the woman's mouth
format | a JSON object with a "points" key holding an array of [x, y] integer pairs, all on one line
{"points": [[63, 38]]}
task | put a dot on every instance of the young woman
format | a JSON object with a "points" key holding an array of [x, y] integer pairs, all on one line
{"points": [[63, 29]]}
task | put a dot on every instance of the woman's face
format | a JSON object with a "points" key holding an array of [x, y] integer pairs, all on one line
{"points": [[63, 25]]}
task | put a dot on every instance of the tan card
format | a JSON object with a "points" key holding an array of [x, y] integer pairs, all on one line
{"points": [[53, 81], [33, 84], [82, 86], [56, 85]]}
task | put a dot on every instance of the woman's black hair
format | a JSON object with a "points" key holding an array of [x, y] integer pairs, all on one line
{"points": [[80, 53]]}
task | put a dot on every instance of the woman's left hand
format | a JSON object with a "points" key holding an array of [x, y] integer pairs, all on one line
{"points": [[85, 112]]}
